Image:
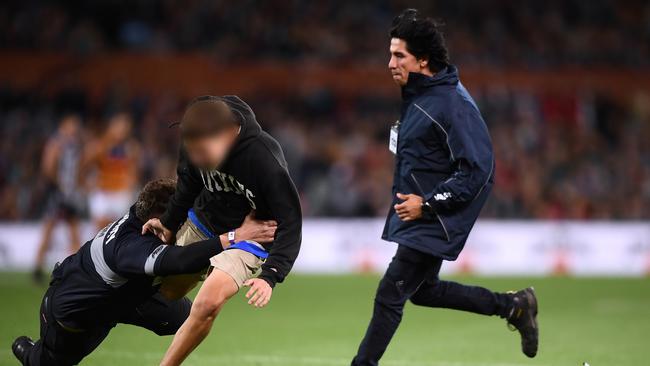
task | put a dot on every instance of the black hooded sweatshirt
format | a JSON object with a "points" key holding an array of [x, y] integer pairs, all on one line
{"points": [[253, 177]]}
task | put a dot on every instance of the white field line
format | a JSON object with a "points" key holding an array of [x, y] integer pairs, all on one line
{"points": [[198, 359]]}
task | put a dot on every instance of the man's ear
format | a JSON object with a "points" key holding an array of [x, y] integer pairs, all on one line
{"points": [[424, 63]]}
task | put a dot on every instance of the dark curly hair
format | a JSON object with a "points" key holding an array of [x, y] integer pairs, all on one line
{"points": [[152, 200], [423, 38]]}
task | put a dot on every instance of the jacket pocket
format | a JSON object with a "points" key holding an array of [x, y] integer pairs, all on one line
{"points": [[423, 183], [444, 226]]}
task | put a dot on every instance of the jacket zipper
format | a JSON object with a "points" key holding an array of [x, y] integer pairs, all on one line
{"points": [[443, 226], [421, 192]]}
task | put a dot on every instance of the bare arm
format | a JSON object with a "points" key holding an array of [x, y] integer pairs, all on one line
{"points": [[216, 290], [49, 161]]}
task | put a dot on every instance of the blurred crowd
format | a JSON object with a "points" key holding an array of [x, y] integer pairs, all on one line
{"points": [[531, 33], [577, 155], [574, 156]]}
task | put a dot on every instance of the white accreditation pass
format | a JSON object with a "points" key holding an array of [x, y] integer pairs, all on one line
{"points": [[392, 140]]}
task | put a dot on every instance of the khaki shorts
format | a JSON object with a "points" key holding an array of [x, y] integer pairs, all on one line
{"points": [[238, 264], [189, 234]]}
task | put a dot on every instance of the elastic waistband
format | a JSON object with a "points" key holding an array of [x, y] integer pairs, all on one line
{"points": [[202, 228], [251, 247]]}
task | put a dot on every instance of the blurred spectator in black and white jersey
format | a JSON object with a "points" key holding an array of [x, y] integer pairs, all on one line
{"points": [[66, 202]]}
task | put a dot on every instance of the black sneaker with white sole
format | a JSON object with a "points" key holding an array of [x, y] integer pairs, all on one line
{"points": [[523, 317]]}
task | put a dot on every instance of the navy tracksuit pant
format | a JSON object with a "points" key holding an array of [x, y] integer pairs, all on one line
{"points": [[413, 275], [62, 347]]}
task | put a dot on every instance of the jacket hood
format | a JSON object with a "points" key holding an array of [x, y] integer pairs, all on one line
{"points": [[419, 83], [250, 128]]}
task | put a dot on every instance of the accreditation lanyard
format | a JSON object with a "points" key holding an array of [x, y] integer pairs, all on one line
{"points": [[394, 134]]}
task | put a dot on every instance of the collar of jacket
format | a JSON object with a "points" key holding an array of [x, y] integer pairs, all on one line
{"points": [[418, 83]]}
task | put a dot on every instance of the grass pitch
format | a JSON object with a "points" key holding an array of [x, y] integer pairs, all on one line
{"points": [[319, 321]]}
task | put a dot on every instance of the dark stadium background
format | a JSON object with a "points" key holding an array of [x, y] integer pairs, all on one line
{"points": [[564, 87]]}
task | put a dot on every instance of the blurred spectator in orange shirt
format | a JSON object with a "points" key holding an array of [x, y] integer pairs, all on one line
{"points": [[115, 159]]}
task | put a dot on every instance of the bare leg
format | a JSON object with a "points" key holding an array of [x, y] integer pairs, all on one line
{"points": [[48, 228], [176, 287], [214, 293], [75, 240]]}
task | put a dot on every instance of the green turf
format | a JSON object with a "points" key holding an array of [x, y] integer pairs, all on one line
{"points": [[319, 320]]}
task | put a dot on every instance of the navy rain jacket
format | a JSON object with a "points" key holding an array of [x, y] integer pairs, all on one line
{"points": [[444, 145]]}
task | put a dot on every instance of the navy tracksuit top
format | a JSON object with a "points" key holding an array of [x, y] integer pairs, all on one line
{"points": [[444, 148]]}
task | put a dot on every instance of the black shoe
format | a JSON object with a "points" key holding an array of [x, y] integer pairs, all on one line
{"points": [[38, 276], [21, 348], [523, 317]]}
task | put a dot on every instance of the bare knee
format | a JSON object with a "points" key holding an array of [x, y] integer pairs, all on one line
{"points": [[208, 308], [214, 293]]}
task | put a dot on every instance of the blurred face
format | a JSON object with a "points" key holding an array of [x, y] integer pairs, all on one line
{"points": [[70, 126], [402, 62], [119, 127], [209, 152]]}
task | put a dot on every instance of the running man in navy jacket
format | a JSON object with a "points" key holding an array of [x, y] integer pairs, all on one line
{"points": [[444, 171]]}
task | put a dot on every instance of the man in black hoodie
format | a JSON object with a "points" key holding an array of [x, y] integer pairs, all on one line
{"points": [[228, 168]]}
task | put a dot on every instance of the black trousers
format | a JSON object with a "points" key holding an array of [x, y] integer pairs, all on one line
{"points": [[59, 346], [413, 275]]}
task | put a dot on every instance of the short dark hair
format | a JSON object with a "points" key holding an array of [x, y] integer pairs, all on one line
{"points": [[423, 38], [206, 115], [152, 200]]}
